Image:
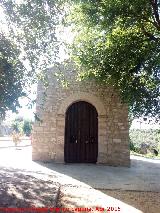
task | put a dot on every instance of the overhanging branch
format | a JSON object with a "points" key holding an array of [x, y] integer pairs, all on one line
{"points": [[154, 4]]}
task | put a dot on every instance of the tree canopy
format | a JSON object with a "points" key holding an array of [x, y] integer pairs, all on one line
{"points": [[31, 45], [12, 77], [33, 26], [118, 43]]}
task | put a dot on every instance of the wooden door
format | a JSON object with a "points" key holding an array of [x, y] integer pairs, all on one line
{"points": [[81, 133]]}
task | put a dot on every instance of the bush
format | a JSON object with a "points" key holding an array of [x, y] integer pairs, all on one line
{"points": [[149, 137], [21, 125], [133, 147], [27, 127], [17, 126]]}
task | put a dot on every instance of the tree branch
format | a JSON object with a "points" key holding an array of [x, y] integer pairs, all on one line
{"points": [[148, 34], [154, 4]]}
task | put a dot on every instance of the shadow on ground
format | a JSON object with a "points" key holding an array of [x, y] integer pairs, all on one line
{"points": [[25, 183], [143, 175], [21, 190]]}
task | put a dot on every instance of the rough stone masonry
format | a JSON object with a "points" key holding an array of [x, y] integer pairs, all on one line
{"points": [[49, 134]]}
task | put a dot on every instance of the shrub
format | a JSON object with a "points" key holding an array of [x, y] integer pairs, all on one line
{"points": [[27, 127], [149, 137]]}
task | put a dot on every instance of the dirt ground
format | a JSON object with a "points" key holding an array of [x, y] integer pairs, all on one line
{"points": [[24, 183], [147, 202], [19, 190]]}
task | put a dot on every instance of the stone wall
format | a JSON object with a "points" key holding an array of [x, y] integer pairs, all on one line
{"points": [[48, 135]]}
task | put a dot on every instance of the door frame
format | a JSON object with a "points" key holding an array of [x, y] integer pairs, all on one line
{"points": [[83, 123], [60, 123]]}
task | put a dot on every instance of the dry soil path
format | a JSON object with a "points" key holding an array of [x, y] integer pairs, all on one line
{"points": [[27, 183]]}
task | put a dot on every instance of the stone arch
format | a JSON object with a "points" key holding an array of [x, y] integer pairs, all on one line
{"points": [[60, 122], [82, 96]]}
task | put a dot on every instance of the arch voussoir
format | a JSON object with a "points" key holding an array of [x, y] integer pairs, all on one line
{"points": [[82, 96]]}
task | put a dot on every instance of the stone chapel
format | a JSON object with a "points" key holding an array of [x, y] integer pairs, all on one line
{"points": [[83, 122]]}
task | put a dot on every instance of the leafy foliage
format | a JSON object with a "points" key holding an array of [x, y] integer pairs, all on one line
{"points": [[12, 77], [32, 28], [118, 43], [21, 125], [17, 125], [33, 25], [27, 127], [150, 137]]}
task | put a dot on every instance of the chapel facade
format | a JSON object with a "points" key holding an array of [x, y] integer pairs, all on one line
{"points": [[83, 122]]}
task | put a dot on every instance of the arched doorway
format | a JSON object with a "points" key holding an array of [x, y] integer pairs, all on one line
{"points": [[81, 133]]}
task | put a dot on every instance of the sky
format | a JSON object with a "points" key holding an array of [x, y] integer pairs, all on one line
{"points": [[25, 111], [139, 124]]}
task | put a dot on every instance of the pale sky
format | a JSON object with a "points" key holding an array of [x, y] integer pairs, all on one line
{"points": [[25, 111], [138, 124]]}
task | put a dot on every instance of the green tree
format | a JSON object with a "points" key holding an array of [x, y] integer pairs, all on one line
{"points": [[31, 26], [12, 76], [118, 43], [27, 127], [34, 26], [17, 125]]}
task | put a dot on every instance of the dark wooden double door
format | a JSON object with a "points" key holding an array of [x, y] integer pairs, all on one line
{"points": [[81, 133]]}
